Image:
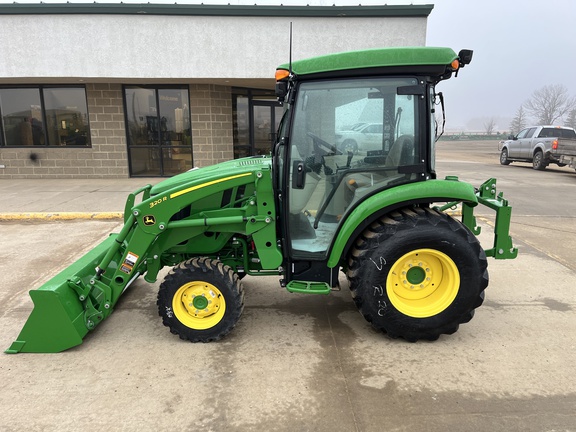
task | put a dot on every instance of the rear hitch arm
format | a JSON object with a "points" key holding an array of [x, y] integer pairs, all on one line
{"points": [[503, 247]]}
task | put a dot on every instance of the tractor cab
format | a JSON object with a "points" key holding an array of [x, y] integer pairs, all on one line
{"points": [[347, 135]]}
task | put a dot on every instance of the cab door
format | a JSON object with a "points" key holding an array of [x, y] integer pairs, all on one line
{"points": [[515, 145], [526, 144], [324, 183]]}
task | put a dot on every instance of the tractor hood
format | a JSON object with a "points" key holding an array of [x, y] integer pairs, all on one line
{"points": [[213, 172]]}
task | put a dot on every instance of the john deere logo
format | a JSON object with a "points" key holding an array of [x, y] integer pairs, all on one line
{"points": [[149, 220]]}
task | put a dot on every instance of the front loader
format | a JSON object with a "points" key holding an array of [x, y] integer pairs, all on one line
{"points": [[318, 204]]}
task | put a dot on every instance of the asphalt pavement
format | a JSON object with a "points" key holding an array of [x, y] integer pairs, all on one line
{"points": [[297, 362]]}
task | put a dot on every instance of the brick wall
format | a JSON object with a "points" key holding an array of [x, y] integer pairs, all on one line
{"points": [[109, 156], [212, 127]]}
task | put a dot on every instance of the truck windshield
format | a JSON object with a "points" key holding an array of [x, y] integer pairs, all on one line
{"points": [[349, 139]]}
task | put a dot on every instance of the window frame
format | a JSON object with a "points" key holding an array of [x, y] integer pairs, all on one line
{"points": [[40, 88]]}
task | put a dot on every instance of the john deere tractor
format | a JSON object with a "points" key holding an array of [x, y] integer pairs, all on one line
{"points": [[373, 208]]}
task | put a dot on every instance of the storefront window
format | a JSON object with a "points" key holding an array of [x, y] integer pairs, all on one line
{"points": [[66, 116], [44, 116], [158, 130]]}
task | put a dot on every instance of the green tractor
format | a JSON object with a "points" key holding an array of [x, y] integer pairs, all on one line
{"points": [[334, 195]]}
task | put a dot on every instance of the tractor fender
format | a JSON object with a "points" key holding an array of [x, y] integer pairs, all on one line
{"points": [[373, 207]]}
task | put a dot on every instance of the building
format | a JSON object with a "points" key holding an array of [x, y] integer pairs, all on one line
{"points": [[117, 90]]}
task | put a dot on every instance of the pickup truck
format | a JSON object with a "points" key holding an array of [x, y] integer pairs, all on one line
{"points": [[540, 145]]}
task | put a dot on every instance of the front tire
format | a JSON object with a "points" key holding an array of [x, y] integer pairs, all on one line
{"points": [[504, 157], [201, 300], [417, 274]]}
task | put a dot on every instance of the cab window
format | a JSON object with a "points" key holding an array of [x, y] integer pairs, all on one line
{"points": [[349, 139]]}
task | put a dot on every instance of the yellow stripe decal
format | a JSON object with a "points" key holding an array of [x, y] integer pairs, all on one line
{"points": [[193, 188]]}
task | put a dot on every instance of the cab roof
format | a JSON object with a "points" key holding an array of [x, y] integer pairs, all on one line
{"points": [[434, 59]]}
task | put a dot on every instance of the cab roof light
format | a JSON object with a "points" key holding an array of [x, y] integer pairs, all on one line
{"points": [[455, 65], [282, 74]]}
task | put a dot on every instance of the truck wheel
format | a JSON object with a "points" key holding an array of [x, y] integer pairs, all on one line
{"points": [[504, 157], [201, 300], [539, 162], [349, 146], [417, 274]]}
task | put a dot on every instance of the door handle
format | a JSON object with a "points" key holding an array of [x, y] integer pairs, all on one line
{"points": [[298, 174]]}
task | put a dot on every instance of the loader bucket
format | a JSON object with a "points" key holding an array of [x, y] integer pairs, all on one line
{"points": [[57, 320]]}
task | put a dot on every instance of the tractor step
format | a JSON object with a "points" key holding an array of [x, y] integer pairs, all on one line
{"points": [[305, 287]]}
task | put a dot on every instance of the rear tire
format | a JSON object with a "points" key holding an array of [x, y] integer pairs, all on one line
{"points": [[201, 300], [539, 162], [417, 274]]}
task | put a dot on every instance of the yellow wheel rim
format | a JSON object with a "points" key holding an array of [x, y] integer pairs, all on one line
{"points": [[199, 305], [423, 283]]}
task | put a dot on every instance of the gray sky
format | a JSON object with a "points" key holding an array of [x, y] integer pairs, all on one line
{"points": [[519, 46]]}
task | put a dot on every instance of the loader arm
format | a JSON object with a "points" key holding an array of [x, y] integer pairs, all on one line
{"points": [[191, 218]]}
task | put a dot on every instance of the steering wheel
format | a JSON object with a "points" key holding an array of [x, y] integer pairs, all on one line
{"points": [[319, 142]]}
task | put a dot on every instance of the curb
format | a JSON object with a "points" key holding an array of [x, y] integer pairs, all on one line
{"points": [[60, 216]]}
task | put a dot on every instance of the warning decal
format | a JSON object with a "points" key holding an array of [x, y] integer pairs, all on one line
{"points": [[129, 263]]}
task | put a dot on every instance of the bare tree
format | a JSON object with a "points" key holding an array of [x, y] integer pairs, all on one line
{"points": [[519, 121], [550, 103], [489, 125], [571, 120]]}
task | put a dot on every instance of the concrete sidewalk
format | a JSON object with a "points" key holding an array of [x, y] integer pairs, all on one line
{"points": [[67, 198]]}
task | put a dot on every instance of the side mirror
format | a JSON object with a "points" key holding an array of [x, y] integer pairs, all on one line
{"points": [[281, 89], [465, 56], [511, 137]]}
